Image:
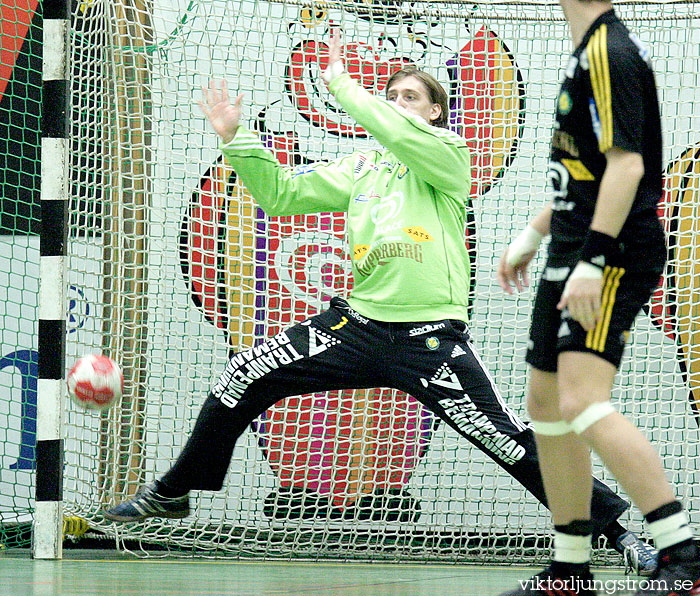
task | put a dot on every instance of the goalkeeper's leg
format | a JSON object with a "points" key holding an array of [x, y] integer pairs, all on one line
{"points": [[453, 382], [327, 352]]}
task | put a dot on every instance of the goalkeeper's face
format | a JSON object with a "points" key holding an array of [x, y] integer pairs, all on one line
{"points": [[411, 94]]}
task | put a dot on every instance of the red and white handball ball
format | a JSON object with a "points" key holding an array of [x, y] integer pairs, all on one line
{"points": [[95, 382]]}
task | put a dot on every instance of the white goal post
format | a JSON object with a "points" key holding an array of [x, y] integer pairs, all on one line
{"points": [[175, 266]]}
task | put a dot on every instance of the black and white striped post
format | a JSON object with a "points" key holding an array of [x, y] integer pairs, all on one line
{"points": [[47, 537]]}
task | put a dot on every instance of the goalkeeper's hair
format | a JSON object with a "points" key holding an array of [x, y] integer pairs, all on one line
{"points": [[436, 91]]}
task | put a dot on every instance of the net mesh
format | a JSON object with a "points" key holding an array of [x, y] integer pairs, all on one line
{"points": [[172, 266], [20, 101]]}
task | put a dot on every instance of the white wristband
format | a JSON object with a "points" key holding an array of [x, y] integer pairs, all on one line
{"points": [[528, 241], [583, 270]]}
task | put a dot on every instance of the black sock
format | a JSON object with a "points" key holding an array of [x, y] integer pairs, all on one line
{"points": [[578, 527], [664, 511], [168, 492]]}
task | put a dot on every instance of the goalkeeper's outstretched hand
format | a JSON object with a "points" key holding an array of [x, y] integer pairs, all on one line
{"points": [[222, 115], [335, 59]]}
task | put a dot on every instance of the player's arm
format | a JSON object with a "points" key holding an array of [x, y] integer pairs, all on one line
{"points": [[515, 260], [322, 187], [618, 187], [437, 156], [616, 86]]}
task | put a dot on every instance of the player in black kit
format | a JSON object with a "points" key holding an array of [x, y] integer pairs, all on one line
{"points": [[606, 255]]}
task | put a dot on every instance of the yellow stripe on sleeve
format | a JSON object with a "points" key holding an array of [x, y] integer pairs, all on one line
{"points": [[597, 51]]}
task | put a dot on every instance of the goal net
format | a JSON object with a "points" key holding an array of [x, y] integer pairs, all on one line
{"points": [[172, 267]]}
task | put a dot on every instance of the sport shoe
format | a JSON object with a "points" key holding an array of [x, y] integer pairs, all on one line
{"points": [[546, 583], [640, 558], [148, 503], [678, 574]]}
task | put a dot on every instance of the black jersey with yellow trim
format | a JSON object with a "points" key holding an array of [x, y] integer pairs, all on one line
{"points": [[608, 99]]}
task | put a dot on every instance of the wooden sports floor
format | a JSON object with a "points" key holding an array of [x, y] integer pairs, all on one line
{"points": [[107, 573]]}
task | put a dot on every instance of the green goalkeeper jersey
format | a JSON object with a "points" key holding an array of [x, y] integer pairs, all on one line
{"points": [[405, 207]]}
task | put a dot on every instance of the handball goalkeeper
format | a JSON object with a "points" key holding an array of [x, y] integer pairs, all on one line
{"points": [[404, 325]]}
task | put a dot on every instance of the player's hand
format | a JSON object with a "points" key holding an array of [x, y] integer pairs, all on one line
{"points": [[222, 115], [582, 296], [511, 274], [335, 61], [512, 270]]}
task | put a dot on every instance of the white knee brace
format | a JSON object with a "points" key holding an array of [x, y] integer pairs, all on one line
{"points": [[588, 417], [591, 415], [551, 429]]}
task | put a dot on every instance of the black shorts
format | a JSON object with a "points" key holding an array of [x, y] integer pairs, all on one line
{"points": [[552, 331]]}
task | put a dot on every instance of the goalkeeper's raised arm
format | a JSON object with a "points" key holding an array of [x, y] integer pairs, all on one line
{"points": [[278, 190], [411, 123]]}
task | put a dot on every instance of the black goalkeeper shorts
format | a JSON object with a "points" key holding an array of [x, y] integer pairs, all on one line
{"points": [[553, 331]]}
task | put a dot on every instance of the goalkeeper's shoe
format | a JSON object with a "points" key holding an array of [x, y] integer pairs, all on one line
{"points": [[546, 583], [148, 503], [640, 557], [678, 574]]}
